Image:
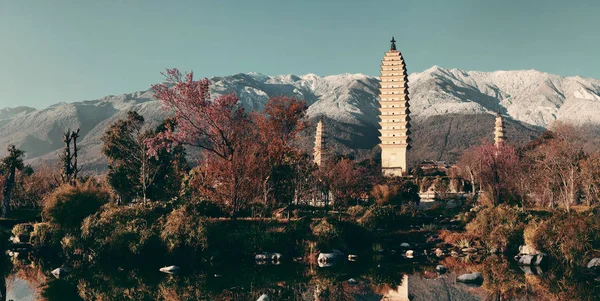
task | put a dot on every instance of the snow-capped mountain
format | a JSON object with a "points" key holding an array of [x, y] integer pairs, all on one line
{"points": [[451, 110]]}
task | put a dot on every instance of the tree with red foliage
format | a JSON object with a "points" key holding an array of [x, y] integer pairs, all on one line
{"points": [[221, 129], [494, 167], [345, 180], [279, 125]]}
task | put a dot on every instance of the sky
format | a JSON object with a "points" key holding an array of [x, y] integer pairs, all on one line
{"points": [[65, 51]]}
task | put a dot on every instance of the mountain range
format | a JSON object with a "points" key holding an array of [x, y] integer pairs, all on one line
{"points": [[451, 110]]}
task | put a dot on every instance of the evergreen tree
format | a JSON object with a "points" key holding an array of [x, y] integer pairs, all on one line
{"points": [[133, 173], [9, 166]]}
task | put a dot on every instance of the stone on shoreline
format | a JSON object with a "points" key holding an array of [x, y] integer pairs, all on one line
{"points": [[441, 269], [594, 264], [263, 297], [472, 278], [59, 272], [173, 269]]}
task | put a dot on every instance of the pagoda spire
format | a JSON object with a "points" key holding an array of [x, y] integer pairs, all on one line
{"points": [[393, 46], [320, 139], [499, 135]]}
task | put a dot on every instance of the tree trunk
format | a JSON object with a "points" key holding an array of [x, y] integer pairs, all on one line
{"points": [[8, 185]]}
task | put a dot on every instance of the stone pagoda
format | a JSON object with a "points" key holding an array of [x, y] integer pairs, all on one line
{"points": [[499, 136], [319, 150], [394, 114]]}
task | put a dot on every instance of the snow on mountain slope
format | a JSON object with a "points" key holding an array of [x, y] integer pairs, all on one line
{"points": [[348, 101]]}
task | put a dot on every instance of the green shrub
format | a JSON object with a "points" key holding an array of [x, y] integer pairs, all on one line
{"points": [[68, 205], [183, 229], [501, 227]]}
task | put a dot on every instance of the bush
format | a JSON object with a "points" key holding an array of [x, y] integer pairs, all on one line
{"points": [[125, 230], [324, 231], [184, 229], [379, 217], [46, 235], [333, 234], [395, 193], [501, 227], [68, 205], [356, 211], [22, 229]]}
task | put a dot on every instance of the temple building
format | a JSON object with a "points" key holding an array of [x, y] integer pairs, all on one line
{"points": [[499, 136], [394, 114], [319, 150]]}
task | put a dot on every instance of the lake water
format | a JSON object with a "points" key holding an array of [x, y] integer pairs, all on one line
{"points": [[379, 278]]}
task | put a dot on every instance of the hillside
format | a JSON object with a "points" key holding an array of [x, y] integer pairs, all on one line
{"points": [[451, 109]]}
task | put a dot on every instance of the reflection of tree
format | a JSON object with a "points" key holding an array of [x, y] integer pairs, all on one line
{"points": [[5, 264], [502, 280]]}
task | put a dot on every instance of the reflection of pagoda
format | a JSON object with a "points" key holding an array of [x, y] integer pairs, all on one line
{"points": [[394, 113], [400, 293], [499, 137]]}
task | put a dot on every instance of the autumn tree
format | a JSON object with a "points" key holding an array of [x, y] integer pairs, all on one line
{"points": [[9, 166], [224, 133], [279, 125], [345, 180], [590, 177], [133, 172], [468, 166], [556, 160], [493, 167], [34, 185]]}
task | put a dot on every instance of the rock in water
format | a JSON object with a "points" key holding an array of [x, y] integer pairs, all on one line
{"points": [[263, 297], [329, 259], [473, 278], [594, 264], [527, 260], [527, 250], [170, 269], [534, 260], [441, 269], [60, 272]]}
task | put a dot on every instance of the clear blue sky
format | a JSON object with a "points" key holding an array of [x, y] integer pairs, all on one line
{"points": [[52, 51]]}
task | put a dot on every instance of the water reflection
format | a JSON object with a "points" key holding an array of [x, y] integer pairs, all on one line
{"points": [[367, 280]]}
